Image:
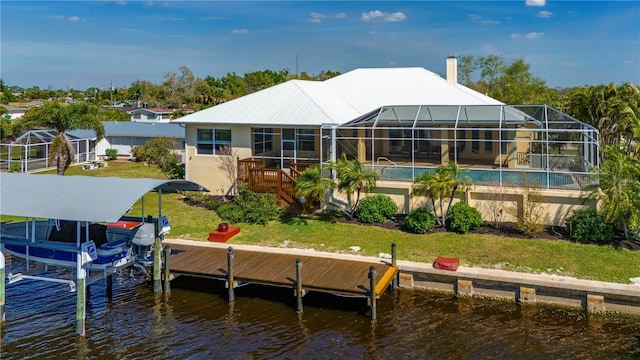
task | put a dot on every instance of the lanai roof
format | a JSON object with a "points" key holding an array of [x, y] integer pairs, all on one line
{"points": [[338, 100]]}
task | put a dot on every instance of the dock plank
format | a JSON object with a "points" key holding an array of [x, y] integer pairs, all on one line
{"points": [[319, 273]]}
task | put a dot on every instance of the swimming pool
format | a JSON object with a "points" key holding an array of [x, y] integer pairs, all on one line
{"points": [[552, 180]]}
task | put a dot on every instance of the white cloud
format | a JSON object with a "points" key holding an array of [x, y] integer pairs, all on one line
{"points": [[528, 36], [316, 18], [544, 14], [239, 31], [71, 18], [481, 21], [628, 62], [377, 15], [536, 2]]}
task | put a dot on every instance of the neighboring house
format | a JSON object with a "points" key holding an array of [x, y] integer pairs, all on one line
{"points": [[400, 122], [124, 135], [153, 114], [15, 112]]}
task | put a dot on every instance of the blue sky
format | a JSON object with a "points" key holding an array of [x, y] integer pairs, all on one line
{"points": [[89, 43]]}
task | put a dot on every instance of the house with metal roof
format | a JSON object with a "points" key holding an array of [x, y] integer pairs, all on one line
{"points": [[153, 114], [401, 122], [124, 136]]}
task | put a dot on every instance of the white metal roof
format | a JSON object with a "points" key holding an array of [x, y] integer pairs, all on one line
{"points": [[338, 100], [78, 198]]}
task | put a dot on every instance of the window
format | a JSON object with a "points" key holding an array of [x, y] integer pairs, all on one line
{"points": [[306, 140], [210, 141], [488, 142], [262, 140], [475, 143]]}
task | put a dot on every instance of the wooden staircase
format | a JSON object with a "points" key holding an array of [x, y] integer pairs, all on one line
{"points": [[281, 183]]}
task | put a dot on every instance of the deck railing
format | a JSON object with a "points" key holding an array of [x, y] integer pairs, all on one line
{"points": [[281, 183]]}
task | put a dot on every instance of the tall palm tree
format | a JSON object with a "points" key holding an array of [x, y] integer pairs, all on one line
{"points": [[618, 187], [62, 118], [353, 178]]}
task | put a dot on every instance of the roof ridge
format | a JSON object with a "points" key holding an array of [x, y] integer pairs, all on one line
{"points": [[326, 87]]}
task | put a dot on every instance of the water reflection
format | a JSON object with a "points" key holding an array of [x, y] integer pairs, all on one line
{"points": [[195, 321]]}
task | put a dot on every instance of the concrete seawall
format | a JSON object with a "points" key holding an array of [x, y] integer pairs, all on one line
{"points": [[523, 287]]}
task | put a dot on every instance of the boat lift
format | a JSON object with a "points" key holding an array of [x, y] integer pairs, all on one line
{"points": [[82, 199]]}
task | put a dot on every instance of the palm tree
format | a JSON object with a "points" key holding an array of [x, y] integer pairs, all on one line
{"points": [[62, 118], [353, 178], [435, 186], [618, 187], [312, 185], [445, 181]]}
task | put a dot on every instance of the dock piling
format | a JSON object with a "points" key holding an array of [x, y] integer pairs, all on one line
{"points": [[165, 270], [394, 257], [157, 260], [230, 280], [2, 280], [110, 287], [372, 292], [299, 291]]}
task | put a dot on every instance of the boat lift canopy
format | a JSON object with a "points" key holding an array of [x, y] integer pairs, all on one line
{"points": [[78, 198]]}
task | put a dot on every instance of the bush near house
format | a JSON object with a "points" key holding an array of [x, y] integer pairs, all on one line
{"points": [[588, 227], [112, 154], [420, 220], [461, 218], [376, 208], [249, 207]]}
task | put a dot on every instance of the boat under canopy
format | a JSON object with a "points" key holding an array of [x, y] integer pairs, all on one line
{"points": [[78, 198]]}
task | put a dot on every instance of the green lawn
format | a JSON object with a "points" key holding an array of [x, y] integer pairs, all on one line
{"points": [[324, 233]]}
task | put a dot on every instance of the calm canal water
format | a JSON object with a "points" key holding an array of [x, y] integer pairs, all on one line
{"points": [[197, 322]]}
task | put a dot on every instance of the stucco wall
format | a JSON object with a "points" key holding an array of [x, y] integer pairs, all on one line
{"points": [[555, 206], [207, 170]]}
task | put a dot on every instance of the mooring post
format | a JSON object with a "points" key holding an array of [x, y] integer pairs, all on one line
{"points": [[2, 279], [372, 292], [394, 257], [110, 286], [230, 281], [157, 263], [299, 291], [167, 284], [81, 299]]}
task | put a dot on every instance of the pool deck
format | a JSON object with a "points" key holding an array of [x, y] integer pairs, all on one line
{"points": [[470, 281]]}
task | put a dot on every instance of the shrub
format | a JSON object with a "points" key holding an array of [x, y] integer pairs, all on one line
{"points": [[112, 154], [376, 208], [461, 218], [588, 227], [250, 207], [175, 171], [420, 220], [15, 167]]}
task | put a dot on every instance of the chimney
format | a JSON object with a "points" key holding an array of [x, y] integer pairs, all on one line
{"points": [[452, 68]]}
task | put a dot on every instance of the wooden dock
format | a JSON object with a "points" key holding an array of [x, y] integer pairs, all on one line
{"points": [[321, 272]]}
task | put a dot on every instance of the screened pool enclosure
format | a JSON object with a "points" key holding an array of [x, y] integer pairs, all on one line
{"points": [[498, 144], [30, 151]]}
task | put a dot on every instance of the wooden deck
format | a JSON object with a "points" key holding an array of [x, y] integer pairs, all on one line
{"points": [[319, 273]]}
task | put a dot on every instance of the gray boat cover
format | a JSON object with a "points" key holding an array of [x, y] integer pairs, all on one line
{"points": [[78, 198]]}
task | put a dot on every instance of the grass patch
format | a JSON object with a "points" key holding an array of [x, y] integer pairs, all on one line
{"points": [[324, 233]]}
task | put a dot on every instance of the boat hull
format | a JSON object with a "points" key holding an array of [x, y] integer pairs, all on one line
{"points": [[32, 241]]}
